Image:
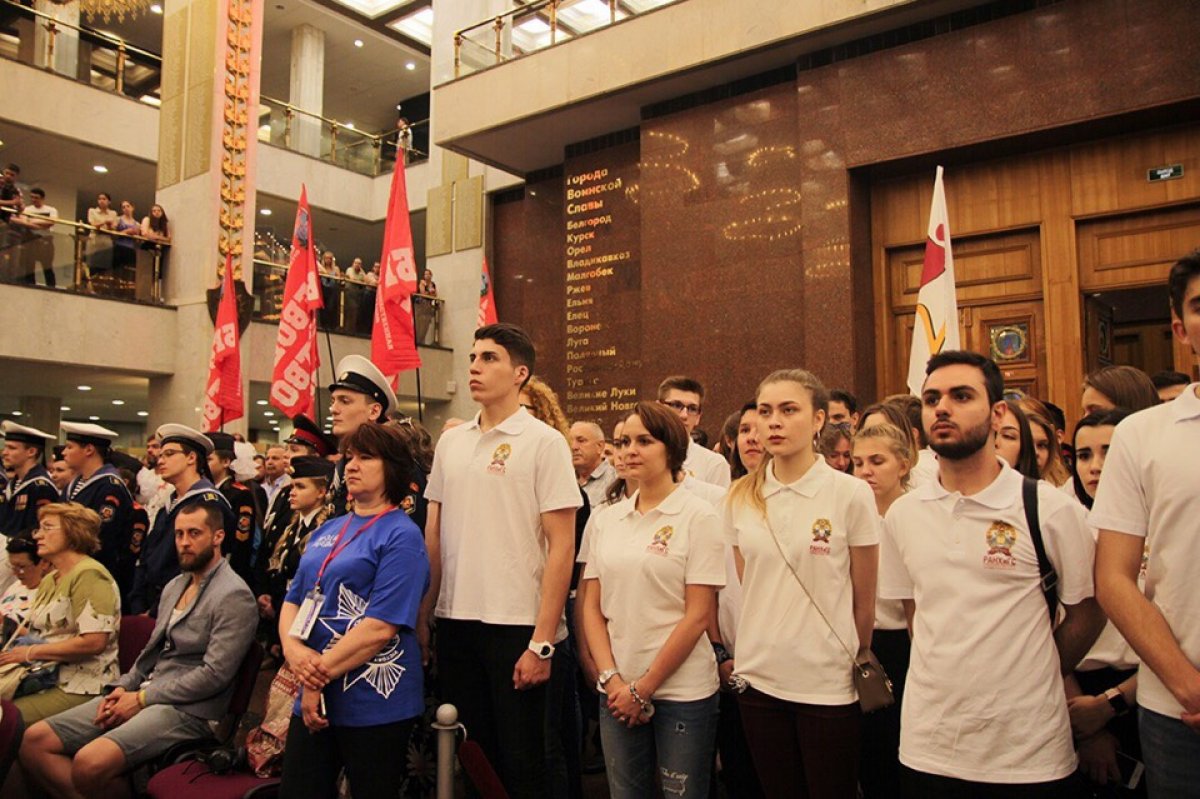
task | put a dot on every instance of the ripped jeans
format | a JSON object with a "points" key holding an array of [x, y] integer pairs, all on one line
{"points": [[676, 748]]}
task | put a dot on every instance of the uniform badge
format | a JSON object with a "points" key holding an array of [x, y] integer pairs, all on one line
{"points": [[243, 528], [1001, 538], [821, 531], [662, 537], [408, 505], [499, 458], [107, 512], [20, 503]]}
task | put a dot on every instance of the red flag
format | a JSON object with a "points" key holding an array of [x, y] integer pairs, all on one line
{"points": [[223, 396], [487, 300], [296, 360], [393, 340]]}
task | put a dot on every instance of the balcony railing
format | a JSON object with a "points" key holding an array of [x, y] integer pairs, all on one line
{"points": [[284, 125], [530, 27], [80, 53], [76, 257], [349, 304]]}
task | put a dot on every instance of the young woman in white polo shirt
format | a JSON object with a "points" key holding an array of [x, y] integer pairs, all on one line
{"points": [[796, 522], [655, 563], [883, 456]]}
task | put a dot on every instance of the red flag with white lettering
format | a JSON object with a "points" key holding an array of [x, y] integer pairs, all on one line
{"points": [[487, 300], [294, 377], [393, 340], [223, 396]]}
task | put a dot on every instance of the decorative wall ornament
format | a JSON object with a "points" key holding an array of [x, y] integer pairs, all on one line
{"points": [[235, 131], [107, 9]]}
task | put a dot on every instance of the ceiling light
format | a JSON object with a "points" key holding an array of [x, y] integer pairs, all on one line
{"points": [[94, 418], [150, 99], [100, 169], [118, 402], [268, 413], [260, 402], [156, 9], [143, 413], [410, 66], [265, 212], [17, 413], [417, 26], [358, 42], [65, 408], [84, 388]]}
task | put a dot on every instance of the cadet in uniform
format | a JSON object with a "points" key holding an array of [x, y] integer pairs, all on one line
{"points": [[306, 441], [183, 463], [24, 448], [360, 395], [239, 543], [98, 485]]}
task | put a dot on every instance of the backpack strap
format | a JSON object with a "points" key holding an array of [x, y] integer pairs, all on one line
{"points": [[1049, 577]]}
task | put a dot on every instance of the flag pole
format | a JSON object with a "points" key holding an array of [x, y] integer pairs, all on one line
{"points": [[420, 402]]}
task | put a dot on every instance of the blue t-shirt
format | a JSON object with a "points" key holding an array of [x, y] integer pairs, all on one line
{"points": [[381, 574]]}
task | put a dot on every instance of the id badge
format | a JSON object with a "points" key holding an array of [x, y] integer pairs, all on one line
{"points": [[307, 616]]}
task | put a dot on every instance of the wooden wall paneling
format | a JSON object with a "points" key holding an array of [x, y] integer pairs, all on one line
{"points": [[1007, 324], [986, 267], [1135, 249], [883, 197], [1062, 300], [1110, 175]]}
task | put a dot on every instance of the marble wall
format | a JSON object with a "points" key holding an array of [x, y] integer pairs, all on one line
{"points": [[753, 214]]}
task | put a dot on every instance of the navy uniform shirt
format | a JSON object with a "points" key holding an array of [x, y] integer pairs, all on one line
{"points": [[105, 493], [339, 498], [159, 561], [239, 545], [22, 499], [276, 522]]}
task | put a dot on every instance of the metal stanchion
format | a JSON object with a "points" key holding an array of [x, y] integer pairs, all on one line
{"points": [[447, 727]]}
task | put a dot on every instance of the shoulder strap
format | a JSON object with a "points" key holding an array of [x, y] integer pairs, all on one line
{"points": [[811, 601], [1049, 577]]}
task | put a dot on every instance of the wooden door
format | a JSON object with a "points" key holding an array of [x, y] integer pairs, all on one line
{"points": [[1097, 334]]}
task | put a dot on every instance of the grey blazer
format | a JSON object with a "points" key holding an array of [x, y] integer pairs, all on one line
{"points": [[193, 666]]}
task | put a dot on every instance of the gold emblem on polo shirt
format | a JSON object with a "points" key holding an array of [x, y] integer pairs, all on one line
{"points": [[1001, 538], [662, 537], [821, 531], [499, 459]]}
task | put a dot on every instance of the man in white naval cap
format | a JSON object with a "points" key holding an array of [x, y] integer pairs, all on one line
{"points": [[98, 485], [360, 395], [183, 463], [24, 450]]}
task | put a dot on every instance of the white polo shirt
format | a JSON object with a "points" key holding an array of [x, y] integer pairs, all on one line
{"points": [[493, 488], [785, 649], [984, 699], [925, 470], [704, 464], [644, 563], [1151, 488], [729, 599]]}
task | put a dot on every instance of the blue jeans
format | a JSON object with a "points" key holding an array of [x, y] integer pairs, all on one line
{"points": [[1171, 751], [679, 740]]}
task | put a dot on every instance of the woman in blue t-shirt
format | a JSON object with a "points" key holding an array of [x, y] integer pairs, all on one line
{"points": [[347, 626]]}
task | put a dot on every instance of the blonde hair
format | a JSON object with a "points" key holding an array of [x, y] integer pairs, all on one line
{"points": [[545, 407], [749, 489], [80, 525], [899, 443]]}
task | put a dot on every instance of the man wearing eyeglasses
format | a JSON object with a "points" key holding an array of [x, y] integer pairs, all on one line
{"points": [[183, 464], [685, 396]]}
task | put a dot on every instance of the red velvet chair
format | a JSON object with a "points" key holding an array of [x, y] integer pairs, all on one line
{"points": [[134, 635], [12, 730]]}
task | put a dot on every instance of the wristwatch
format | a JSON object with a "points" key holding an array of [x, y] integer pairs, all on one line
{"points": [[1117, 700], [722, 653], [543, 649], [604, 677]]}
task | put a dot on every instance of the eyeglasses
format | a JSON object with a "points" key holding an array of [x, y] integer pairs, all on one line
{"points": [[679, 407]]}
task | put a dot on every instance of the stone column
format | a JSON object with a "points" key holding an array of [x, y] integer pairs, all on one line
{"points": [[65, 57], [307, 90], [42, 413], [206, 168]]}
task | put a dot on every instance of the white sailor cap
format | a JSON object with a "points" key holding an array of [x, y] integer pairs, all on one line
{"points": [[87, 433], [356, 373], [187, 436], [26, 435]]}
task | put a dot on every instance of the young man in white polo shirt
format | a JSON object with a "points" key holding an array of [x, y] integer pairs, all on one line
{"points": [[1147, 505], [685, 396], [501, 541], [984, 712]]}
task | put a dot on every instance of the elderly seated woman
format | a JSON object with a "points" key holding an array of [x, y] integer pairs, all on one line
{"points": [[73, 619]]}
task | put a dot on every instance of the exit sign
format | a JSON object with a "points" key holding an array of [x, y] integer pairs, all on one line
{"points": [[1171, 172]]}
